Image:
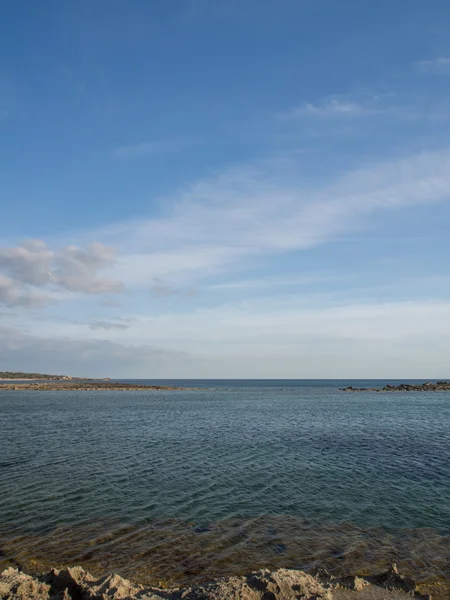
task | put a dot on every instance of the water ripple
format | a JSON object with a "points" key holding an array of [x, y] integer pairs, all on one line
{"points": [[207, 482]]}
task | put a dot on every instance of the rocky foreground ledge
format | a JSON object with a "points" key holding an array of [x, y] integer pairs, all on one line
{"points": [[428, 386], [85, 385], [283, 584]]}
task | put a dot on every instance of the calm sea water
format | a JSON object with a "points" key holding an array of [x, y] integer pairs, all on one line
{"points": [[185, 485]]}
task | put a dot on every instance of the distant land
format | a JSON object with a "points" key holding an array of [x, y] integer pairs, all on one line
{"points": [[19, 375], [88, 385], [14, 380]]}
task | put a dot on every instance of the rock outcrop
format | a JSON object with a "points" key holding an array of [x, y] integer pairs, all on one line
{"points": [[283, 584], [428, 386]]}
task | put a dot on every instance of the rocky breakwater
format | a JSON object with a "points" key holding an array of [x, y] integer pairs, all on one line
{"points": [[85, 386], [428, 386], [283, 584]]}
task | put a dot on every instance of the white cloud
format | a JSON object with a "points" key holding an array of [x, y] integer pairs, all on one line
{"points": [[33, 265], [77, 269], [28, 263], [13, 294], [440, 65]]}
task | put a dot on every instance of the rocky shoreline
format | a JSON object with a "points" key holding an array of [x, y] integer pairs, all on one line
{"points": [[428, 386], [284, 584], [89, 385]]}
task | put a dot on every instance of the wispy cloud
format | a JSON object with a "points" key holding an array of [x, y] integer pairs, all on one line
{"points": [[222, 223], [440, 65], [387, 105], [107, 325], [332, 107], [163, 289], [277, 282], [290, 319]]}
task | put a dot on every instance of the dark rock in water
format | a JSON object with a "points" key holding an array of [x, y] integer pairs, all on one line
{"points": [[428, 386], [279, 548], [392, 580], [202, 529]]}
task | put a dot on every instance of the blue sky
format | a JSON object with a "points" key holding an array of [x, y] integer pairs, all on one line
{"points": [[206, 188]]}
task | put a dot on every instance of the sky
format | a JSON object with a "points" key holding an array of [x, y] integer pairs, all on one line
{"points": [[225, 188]]}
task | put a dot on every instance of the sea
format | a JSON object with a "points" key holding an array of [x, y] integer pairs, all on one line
{"points": [[176, 487]]}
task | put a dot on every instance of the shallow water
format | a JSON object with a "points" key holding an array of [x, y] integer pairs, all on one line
{"points": [[185, 485]]}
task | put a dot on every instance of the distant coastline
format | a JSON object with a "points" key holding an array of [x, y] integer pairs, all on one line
{"points": [[23, 376], [16, 380], [83, 385]]}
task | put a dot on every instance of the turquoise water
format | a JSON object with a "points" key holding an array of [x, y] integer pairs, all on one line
{"points": [[234, 475]]}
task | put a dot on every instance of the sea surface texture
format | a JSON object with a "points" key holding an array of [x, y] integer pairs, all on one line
{"points": [[183, 486]]}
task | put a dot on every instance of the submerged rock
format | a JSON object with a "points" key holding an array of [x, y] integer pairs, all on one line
{"points": [[392, 580], [284, 584]]}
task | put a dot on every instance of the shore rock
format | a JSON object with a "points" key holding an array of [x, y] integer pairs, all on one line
{"points": [[18, 585], [428, 386], [284, 584]]}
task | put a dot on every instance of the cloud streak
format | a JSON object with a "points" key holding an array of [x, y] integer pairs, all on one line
{"points": [[220, 224], [277, 282], [107, 325], [439, 66], [332, 107]]}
